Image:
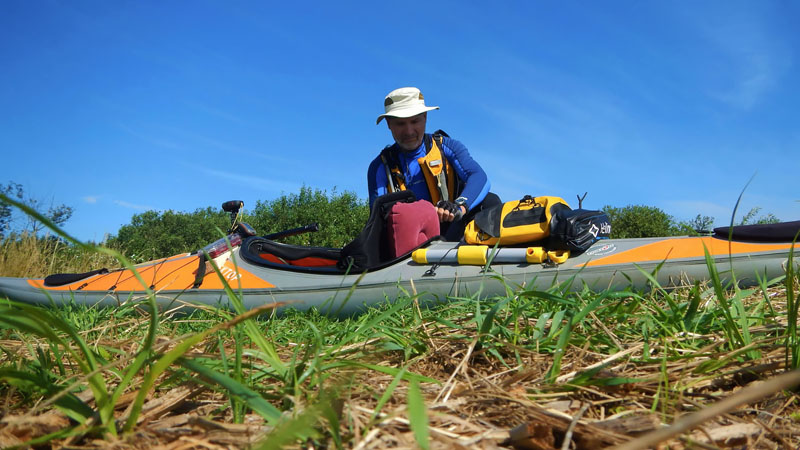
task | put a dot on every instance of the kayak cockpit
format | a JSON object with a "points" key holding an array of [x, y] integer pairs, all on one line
{"points": [[277, 255], [381, 243], [264, 252]]}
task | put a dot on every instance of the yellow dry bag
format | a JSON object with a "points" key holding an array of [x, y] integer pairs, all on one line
{"points": [[517, 222]]}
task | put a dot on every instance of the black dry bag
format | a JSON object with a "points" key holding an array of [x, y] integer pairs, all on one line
{"points": [[577, 229]]}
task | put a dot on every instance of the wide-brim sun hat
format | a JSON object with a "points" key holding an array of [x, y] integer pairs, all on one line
{"points": [[404, 102]]}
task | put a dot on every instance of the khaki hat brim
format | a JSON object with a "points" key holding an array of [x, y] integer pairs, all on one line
{"points": [[406, 112]]}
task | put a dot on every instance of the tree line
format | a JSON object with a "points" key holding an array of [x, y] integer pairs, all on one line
{"points": [[340, 215], [152, 234]]}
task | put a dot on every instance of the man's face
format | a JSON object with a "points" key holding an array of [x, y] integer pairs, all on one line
{"points": [[409, 131]]}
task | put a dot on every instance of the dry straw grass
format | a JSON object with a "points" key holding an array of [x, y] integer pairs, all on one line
{"points": [[474, 398], [32, 256]]}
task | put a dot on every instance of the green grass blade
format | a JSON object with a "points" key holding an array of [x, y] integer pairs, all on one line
{"points": [[250, 327], [372, 323], [764, 284], [544, 295], [556, 323], [408, 376], [43, 323], [586, 310], [692, 308], [540, 325], [558, 354], [730, 327], [105, 400], [793, 306], [164, 362], [744, 321], [418, 416], [299, 427], [488, 320], [651, 278], [72, 406], [387, 395], [249, 397]]}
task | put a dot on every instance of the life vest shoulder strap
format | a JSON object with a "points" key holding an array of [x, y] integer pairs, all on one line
{"points": [[439, 175], [396, 181]]}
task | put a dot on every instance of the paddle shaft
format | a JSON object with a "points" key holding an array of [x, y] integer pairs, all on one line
{"points": [[292, 232]]}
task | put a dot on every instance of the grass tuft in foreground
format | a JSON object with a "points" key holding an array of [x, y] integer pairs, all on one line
{"points": [[466, 373]]}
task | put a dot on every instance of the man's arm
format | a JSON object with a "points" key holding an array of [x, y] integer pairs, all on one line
{"points": [[376, 180], [476, 183]]}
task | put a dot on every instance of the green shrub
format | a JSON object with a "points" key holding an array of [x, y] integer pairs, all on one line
{"points": [[340, 216], [750, 217], [153, 234], [700, 225], [636, 221]]}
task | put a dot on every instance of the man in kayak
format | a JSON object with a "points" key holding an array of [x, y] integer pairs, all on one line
{"points": [[434, 166]]}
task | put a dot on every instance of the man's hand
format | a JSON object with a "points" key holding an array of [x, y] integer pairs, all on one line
{"points": [[449, 211]]}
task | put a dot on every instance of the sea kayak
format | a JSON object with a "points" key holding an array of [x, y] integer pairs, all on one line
{"points": [[262, 271]]}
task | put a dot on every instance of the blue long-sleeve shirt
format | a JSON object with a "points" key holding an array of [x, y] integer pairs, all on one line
{"points": [[476, 183]]}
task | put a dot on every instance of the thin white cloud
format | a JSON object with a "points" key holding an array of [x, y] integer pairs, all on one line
{"points": [[584, 121], [689, 209], [758, 74], [158, 142], [757, 56], [216, 112], [193, 139], [237, 150], [253, 182], [91, 199], [133, 206]]}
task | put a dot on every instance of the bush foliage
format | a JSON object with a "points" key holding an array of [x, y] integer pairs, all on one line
{"points": [[153, 235], [340, 216], [637, 221]]}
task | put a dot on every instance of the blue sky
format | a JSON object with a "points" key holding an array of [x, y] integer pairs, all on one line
{"points": [[117, 107]]}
